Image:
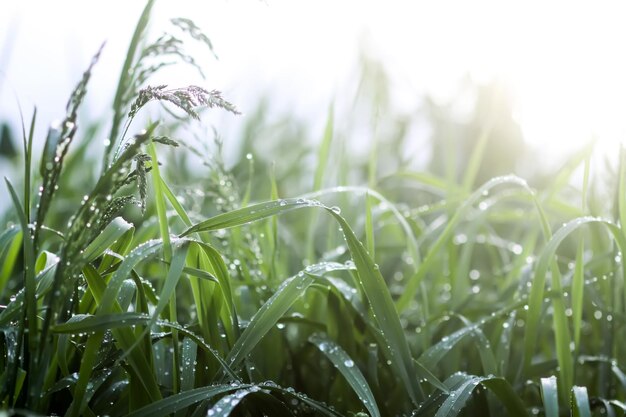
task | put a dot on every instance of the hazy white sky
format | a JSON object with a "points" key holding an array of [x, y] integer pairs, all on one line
{"points": [[564, 61]]}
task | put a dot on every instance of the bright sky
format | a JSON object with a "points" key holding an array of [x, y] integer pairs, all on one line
{"points": [[564, 61]]}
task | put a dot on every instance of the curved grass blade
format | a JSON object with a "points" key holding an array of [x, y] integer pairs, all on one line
{"points": [[463, 390], [137, 255], [188, 356], [44, 282], [373, 285], [550, 396], [87, 323], [167, 292], [270, 312], [201, 343], [621, 192], [180, 401], [10, 246], [371, 282], [64, 346], [199, 273], [324, 151], [483, 346], [28, 153], [426, 374], [436, 352], [578, 291], [503, 352], [478, 152], [221, 273], [348, 369], [457, 398], [112, 232], [579, 273], [176, 266], [229, 402], [320, 408], [323, 157], [250, 214], [373, 194], [29, 314], [580, 402], [564, 174], [451, 226], [427, 179], [561, 327], [175, 203], [107, 302], [507, 396], [369, 227], [160, 202]]}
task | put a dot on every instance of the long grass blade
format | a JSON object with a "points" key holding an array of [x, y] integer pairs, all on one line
{"points": [[269, 314], [560, 325], [29, 317], [579, 273], [125, 80], [462, 387], [451, 226], [348, 369], [371, 281], [550, 396], [580, 402], [180, 401]]}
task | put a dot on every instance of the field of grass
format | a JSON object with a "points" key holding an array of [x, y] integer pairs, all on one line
{"points": [[166, 283]]}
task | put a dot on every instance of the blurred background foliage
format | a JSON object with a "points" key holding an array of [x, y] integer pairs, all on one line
{"points": [[436, 137]]}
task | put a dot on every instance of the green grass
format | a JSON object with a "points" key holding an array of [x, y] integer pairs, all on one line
{"points": [[170, 284]]}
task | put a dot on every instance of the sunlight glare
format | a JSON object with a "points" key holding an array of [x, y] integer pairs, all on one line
{"points": [[563, 61]]}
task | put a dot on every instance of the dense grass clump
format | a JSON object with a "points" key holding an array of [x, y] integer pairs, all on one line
{"points": [[155, 289]]}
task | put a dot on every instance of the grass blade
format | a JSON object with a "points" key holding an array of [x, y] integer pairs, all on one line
{"points": [[462, 386], [29, 317], [580, 402], [180, 401], [10, 246], [86, 323], [188, 359], [451, 226], [507, 396], [535, 302], [478, 152], [125, 81], [375, 289], [324, 151], [28, 153], [250, 214], [270, 312], [371, 281], [171, 281], [369, 227], [550, 396], [348, 369], [109, 235], [455, 402], [579, 273]]}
